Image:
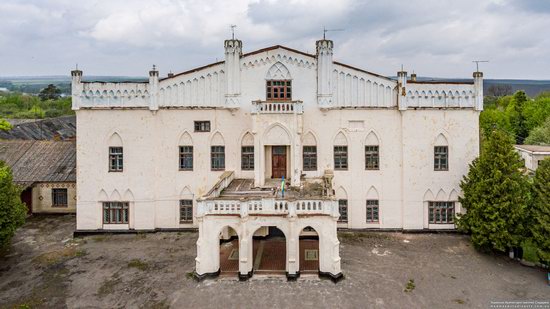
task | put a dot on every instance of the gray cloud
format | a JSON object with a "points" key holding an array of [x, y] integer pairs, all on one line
{"points": [[117, 37]]}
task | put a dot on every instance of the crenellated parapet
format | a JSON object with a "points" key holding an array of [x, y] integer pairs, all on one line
{"points": [[437, 95], [111, 95]]}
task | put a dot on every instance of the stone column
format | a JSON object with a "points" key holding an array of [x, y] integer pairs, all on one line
{"points": [[293, 250], [233, 51], [245, 250], [207, 264], [153, 89]]}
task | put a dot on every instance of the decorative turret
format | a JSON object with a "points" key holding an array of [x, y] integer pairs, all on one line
{"points": [[76, 87], [324, 73], [402, 88], [413, 77], [233, 52], [478, 87], [153, 88]]}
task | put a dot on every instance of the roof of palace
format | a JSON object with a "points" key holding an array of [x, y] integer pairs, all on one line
{"points": [[535, 148], [40, 161]]}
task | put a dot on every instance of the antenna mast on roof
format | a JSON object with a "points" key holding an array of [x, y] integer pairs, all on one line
{"points": [[325, 30], [233, 31], [477, 62]]}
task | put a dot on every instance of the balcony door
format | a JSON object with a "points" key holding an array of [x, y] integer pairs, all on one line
{"points": [[278, 162]]}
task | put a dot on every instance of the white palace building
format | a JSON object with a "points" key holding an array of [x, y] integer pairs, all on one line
{"points": [[207, 149]]}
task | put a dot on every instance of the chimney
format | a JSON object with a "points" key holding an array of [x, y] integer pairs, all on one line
{"points": [[413, 77], [170, 74], [76, 88], [153, 88], [324, 72], [478, 89], [233, 52]]}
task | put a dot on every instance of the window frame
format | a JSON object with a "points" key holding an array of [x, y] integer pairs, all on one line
{"points": [[56, 195], [373, 208], [285, 89], [309, 158], [343, 204], [120, 209], [185, 155], [372, 157], [116, 159], [435, 209], [186, 211], [217, 157], [341, 162], [441, 159], [198, 126], [247, 158]]}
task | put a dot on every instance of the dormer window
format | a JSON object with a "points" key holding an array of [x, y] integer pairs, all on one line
{"points": [[278, 90]]}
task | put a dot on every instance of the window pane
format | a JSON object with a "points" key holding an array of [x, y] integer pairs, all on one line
{"points": [[343, 209], [310, 158]]}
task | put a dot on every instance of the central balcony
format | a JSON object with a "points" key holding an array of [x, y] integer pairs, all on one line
{"points": [[274, 107], [238, 197]]}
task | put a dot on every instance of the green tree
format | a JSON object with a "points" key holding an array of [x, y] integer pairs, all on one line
{"points": [[495, 196], [540, 135], [12, 210], [540, 210], [51, 92], [516, 114]]}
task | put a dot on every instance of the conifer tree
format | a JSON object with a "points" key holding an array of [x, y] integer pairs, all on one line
{"points": [[495, 196], [517, 116], [540, 210]]}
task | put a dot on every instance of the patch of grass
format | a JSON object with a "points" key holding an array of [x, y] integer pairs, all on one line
{"points": [[108, 287], [141, 235], [530, 252], [410, 286], [59, 256], [139, 264], [100, 238], [459, 301], [163, 304], [190, 275], [359, 236]]}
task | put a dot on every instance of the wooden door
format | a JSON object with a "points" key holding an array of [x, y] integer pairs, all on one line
{"points": [[278, 162]]}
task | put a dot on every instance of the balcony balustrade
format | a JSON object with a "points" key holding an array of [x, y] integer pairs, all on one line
{"points": [[266, 107]]}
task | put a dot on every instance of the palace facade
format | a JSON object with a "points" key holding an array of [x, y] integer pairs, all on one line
{"points": [[208, 149]]}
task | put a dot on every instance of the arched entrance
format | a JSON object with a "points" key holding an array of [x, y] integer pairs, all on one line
{"points": [[309, 251], [229, 252], [269, 251]]}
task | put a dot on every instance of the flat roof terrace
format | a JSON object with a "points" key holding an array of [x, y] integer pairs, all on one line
{"points": [[244, 188]]}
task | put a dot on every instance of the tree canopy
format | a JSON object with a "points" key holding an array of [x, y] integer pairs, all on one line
{"points": [[51, 92], [12, 210], [540, 210]]}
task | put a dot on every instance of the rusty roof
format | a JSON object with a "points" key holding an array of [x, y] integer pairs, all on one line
{"points": [[544, 149], [40, 161]]}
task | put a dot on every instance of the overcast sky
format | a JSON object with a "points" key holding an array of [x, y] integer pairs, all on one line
{"points": [[432, 37]]}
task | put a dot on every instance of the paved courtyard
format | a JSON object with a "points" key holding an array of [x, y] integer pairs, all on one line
{"points": [[45, 267]]}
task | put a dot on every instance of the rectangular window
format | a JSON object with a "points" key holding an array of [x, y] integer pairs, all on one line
{"points": [[441, 158], [115, 159], [278, 90], [372, 158], [340, 157], [247, 158], [343, 209], [310, 158], [59, 198], [372, 210], [217, 158], [202, 126], [186, 211], [441, 212], [186, 158], [115, 212]]}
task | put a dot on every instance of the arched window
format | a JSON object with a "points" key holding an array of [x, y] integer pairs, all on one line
{"points": [[278, 83]]}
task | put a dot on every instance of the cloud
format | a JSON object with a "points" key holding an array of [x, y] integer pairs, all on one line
{"points": [[433, 37]]}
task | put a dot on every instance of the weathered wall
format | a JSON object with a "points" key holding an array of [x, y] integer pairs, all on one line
{"points": [[42, 197]]}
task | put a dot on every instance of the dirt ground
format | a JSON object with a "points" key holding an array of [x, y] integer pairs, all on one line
{"points": [[46, 267]]}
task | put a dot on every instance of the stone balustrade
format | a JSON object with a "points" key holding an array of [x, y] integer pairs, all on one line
{"points": [[264, 107], [267, 206]]}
